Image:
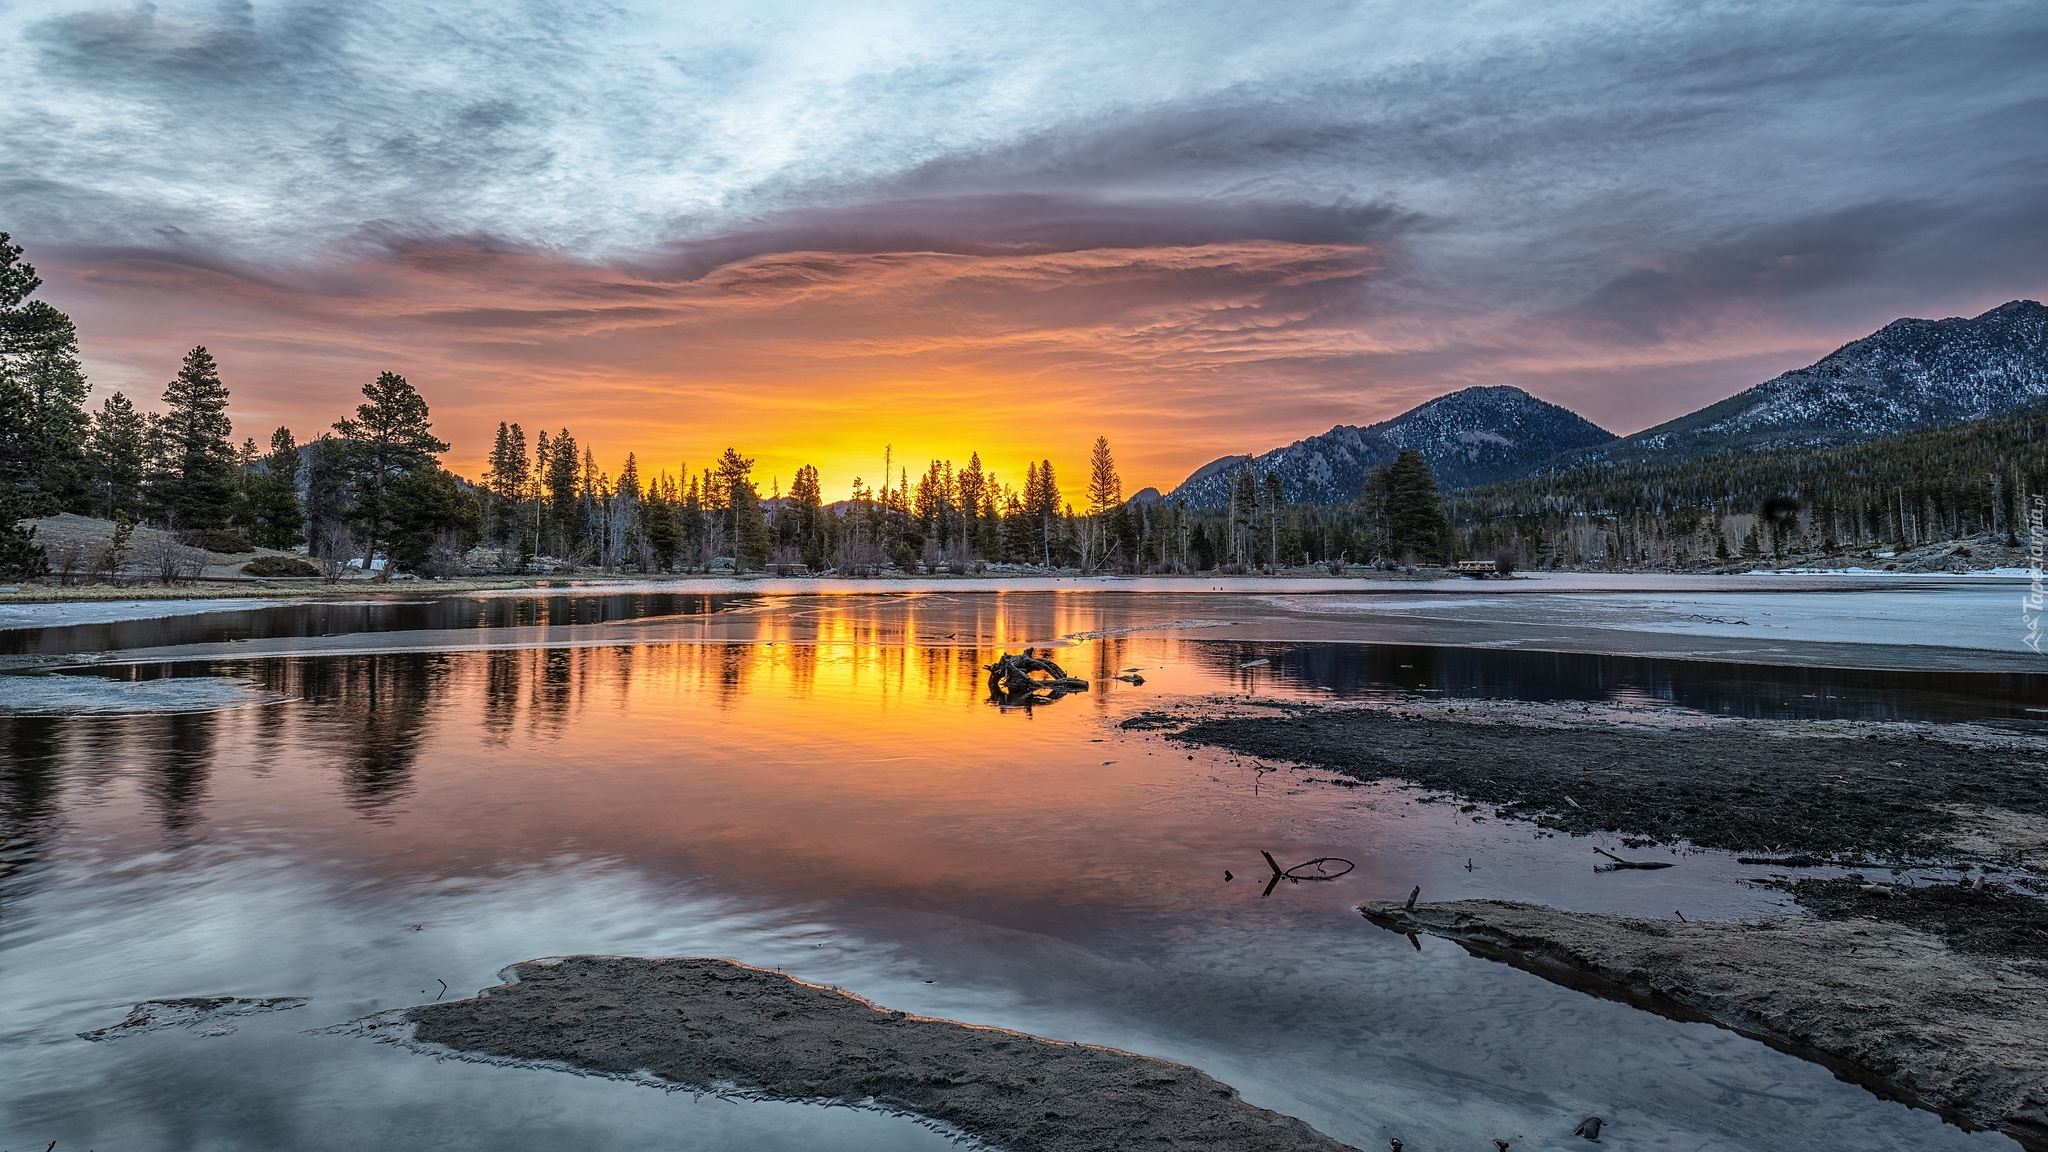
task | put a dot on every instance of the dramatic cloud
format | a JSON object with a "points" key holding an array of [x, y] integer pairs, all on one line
{"points": [[812, 228]]}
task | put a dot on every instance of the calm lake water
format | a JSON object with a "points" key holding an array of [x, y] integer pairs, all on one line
{"points": [[355, 803]]}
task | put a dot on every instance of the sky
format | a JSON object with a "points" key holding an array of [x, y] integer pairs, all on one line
{"points": [[810, 230]]}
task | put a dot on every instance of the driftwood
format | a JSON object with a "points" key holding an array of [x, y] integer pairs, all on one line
{"points": [[1619, 863], [1326, 868], [1028, 679]]}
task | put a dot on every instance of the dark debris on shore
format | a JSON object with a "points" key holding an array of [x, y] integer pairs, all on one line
{"points": [[1982, 919], [1760, 786]]}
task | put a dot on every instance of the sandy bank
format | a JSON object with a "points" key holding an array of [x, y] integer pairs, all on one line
{"points": [[1894, 1007], [716, 1025]]}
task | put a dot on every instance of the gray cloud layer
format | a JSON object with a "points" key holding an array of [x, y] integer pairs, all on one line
{"points": [[1634, 172]]}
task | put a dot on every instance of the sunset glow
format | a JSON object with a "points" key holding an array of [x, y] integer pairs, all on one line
{"points": [[812, 235]]}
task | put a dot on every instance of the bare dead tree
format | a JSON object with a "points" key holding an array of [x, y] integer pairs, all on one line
{"points": [[334, 549], [67, 561], [444, 555], [169, 561]]}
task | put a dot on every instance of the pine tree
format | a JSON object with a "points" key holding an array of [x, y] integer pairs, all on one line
{"points": [[807, 499], [971, 488], [1415, 518], [1044, 507], [327, 491], [1105, 487], [744, 525], [114, 454], [432, 521], [1020, 536], [388, 437], [1105, 492], [276, 518], [42, 400], [507, 480], [1274, 503], [560, 482], [661, 522], [246, 458], [197, 487], [543, 457], [1244, 516], [750, 548]]}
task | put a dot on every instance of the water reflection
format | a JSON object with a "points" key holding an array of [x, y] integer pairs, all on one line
{"points": [[832, 769], [391, 613], [29, 791], [678, 717], [1753, 691], [178, 786]]}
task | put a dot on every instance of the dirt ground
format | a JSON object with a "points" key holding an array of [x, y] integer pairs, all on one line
{"points": [[1836, 790], [1928, 992], [1914, 1014], [719, 1026], [1978, 919]]}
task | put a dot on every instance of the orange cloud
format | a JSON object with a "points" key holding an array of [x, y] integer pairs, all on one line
{"points": [[1176, 353], [1179, 353]]}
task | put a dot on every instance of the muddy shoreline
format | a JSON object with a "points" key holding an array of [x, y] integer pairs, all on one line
{"points": [[1881, 1004], [1928, 993], [714, 1025], [1832, 790]]}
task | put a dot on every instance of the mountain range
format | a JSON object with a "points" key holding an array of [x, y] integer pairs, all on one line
{"points": [[1910, 374]]}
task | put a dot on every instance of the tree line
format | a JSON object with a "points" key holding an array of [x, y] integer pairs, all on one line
{"points": [[371, 486], [1900, 491]]}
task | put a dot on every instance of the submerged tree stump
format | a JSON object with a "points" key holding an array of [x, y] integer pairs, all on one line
{"points": [[1029, 679]]}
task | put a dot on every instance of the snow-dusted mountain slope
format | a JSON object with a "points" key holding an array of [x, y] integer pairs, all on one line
{"points": [[1469, 437], [1909, 374]]}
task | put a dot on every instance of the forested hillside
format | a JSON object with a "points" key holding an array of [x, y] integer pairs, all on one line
{"points": [[1900, 491]]}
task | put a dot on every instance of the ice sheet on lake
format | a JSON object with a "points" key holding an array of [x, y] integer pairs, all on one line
{"points": [[1986, 617], [64, 615], [48, 694]]}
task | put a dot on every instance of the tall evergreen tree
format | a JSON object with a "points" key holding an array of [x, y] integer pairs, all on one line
{"points": [[327, 487], [276, 520], [1019, 533], [1415, 516], [1042, 505], [432, 521], [42, 400], [659, 522], [1105, 493], [977, 507], [507, 481], [388, 437], [629, 477], [115, 458], [1105, 487], [197, 487], [560, 482], [745, 526], [1274, 505], [1243, 516]]}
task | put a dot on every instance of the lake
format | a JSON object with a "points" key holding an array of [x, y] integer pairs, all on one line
{"points": [[364, 803]]}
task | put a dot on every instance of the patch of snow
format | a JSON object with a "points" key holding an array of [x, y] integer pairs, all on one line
{"points": [[73, 694], [65, 614]]}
